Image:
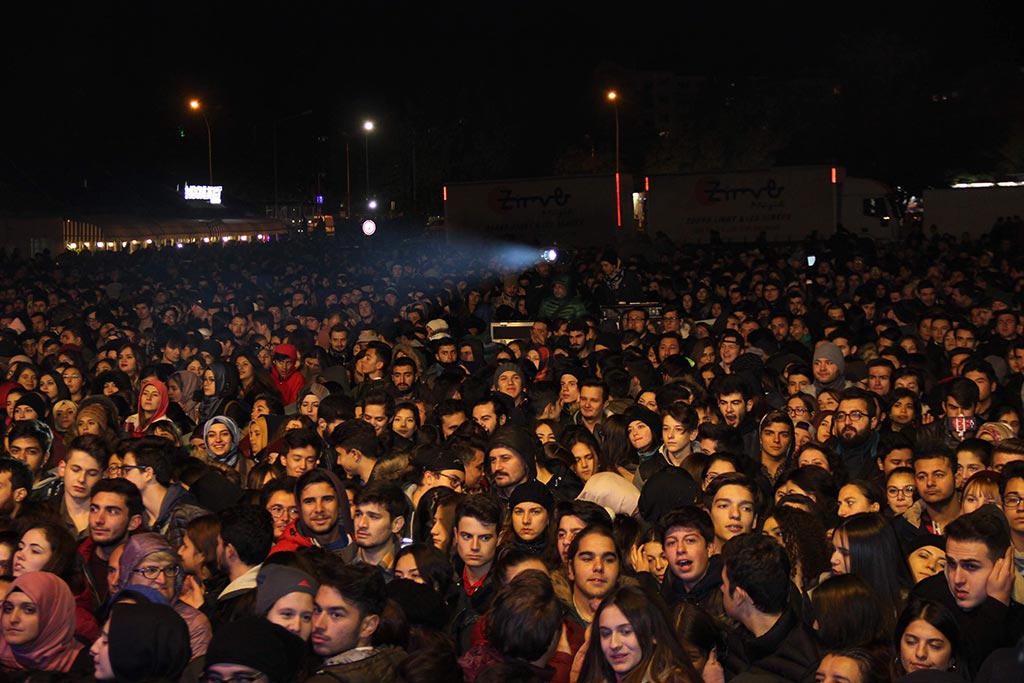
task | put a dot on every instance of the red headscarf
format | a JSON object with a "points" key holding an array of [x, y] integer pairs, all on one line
{"points": [[137, 427], [55, 648]]}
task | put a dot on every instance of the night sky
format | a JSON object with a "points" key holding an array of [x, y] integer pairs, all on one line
{"points": [[96, 104]]}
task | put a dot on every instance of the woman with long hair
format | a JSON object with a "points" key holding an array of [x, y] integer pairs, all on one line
{"points": [[253, 379], [631, 640], [587, 452], [51, 385], [204, 580], [866, 545], [928, 638], [25, 374], [130, 361]]}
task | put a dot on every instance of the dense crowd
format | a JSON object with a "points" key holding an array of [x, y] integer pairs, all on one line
{"points": [[299, 462]]}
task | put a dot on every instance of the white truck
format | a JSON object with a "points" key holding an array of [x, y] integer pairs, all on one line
{"points": [[781, 204], [577, 210], [973, 209]]}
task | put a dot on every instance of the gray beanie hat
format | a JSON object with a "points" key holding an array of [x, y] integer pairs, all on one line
{"points": [[506, 367], [275, 581], [830, 351]]}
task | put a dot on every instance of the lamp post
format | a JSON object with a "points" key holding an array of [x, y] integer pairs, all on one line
{"points": [[195, 105], [367, 127], [613, 97]]}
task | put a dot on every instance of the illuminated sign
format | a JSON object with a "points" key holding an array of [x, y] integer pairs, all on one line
{"points": [[206, 193]]}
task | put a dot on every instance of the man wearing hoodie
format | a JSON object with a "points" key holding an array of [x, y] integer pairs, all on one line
{"points": [[323, 519]]}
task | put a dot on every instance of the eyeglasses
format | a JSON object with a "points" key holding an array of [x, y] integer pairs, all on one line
{"points": [[897, 491], [115, 470], [134, 467], [1013, 501], [793, 412], [852, 416], [278, 510], [454, 482], [151, 573]]}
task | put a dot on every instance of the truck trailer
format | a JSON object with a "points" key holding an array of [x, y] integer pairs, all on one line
{"points": [[777, 204], [577, 210]]}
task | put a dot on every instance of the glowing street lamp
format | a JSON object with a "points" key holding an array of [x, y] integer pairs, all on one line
{"points": [[368, 128], [196, 105], [613, 97]]}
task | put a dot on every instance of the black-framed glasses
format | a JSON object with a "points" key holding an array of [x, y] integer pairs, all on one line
{"points": [[455, 483], [151, 573], [125, 468], [853, 416]]}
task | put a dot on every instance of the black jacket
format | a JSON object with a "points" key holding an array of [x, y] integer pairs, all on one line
{"points": [[788, 652]]}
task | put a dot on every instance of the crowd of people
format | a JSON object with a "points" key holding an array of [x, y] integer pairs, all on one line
{"points": [[297, 462]]}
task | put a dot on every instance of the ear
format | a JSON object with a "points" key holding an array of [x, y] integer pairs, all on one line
{"points": [[396, 524], [134, 522], [713, 547], [750, 405], [502, 419], [21, 494], [368, 626], [60, 469]]}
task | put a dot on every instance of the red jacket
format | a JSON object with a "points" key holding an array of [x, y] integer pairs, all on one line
{"points": [[289, 386], [291, 539]]}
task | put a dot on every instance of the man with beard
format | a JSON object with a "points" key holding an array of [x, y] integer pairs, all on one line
{"points": [[578, 345], [512, 459], [855, 427], [337, 345], [323, 520], [15, 483], [938, 503], [115, 511], [404, 385]]}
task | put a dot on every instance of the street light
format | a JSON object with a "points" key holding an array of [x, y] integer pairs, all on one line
{"points": [[613, 97], [367, 127], [195, 105]]}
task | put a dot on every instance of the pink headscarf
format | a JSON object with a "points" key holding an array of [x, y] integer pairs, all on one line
{"points": [[55, 648], [139, 429]]}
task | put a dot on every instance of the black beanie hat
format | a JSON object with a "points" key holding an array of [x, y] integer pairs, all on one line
{"points": [[258, 644], [532, 492]]}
